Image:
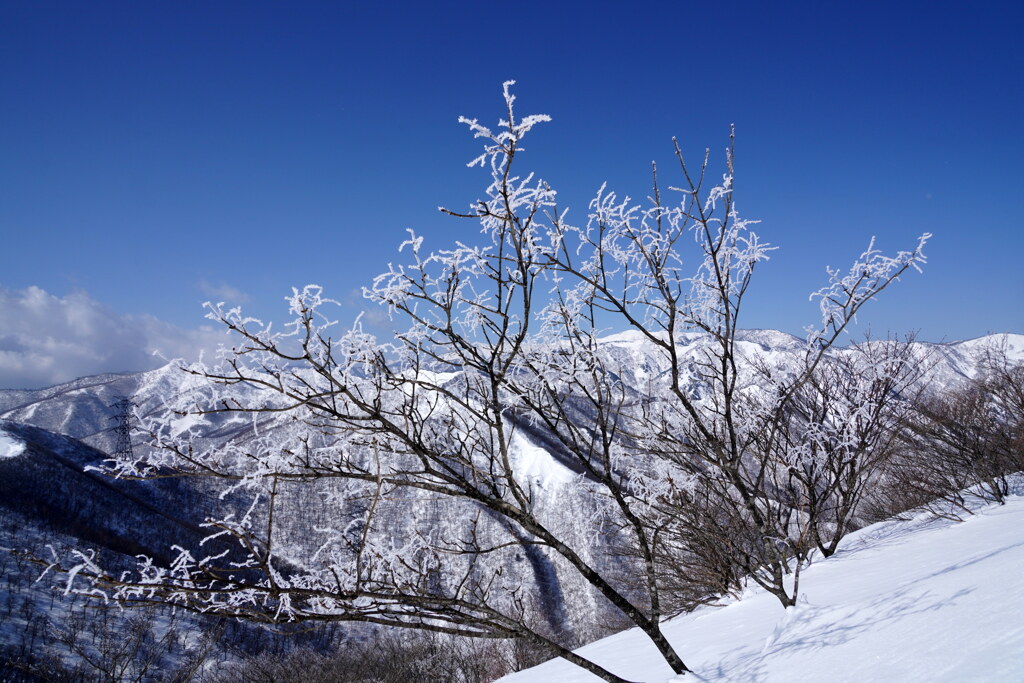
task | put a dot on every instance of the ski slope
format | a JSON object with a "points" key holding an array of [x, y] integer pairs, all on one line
{"points": [[918, 600]]}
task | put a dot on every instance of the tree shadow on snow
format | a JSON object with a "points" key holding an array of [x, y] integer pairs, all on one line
{"points": [[811, 627]]}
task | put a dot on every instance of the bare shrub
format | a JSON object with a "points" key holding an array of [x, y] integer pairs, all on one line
{"points": [[388, 657], [966, 442]]}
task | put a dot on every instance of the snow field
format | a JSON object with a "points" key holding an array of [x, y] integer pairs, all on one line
{"points": [[919, 600]]}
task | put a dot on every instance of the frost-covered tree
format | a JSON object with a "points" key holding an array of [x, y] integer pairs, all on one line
{"points": [[843, 431], [413, 449], [718, 428], [970, 437]]}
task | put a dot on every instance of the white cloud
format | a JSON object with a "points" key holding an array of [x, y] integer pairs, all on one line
{"points": [[45, 339], [223, 292]]}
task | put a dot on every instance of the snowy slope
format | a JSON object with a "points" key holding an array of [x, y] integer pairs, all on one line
{"points": [[919, 600]]}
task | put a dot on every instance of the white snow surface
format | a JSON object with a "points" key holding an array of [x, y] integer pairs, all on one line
{"points": [[535, 464], [10, 446], [919, 600]]}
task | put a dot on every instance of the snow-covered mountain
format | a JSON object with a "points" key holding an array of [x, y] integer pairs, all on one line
{"points": [[82, 408]]}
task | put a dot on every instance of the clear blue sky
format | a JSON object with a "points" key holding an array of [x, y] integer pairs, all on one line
{"points": [[156, 154]]}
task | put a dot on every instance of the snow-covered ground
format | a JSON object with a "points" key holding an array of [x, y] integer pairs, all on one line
{"points": [[919, 600], [10, 446]]}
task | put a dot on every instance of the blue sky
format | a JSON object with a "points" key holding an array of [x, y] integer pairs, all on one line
{"points": [[156, 155]]}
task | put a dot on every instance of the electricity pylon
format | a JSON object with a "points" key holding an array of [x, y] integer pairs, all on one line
{"points": [[122, 428]]}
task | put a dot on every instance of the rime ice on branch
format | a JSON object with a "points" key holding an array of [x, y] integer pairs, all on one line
{"points": [[685, 486]]}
